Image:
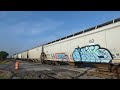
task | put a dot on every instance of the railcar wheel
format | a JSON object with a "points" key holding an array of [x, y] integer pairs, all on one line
{"points": [[45, 62], [48, 62], [53, 63]]}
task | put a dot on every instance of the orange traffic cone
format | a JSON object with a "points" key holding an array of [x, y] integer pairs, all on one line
{"points": [[17, 65]]}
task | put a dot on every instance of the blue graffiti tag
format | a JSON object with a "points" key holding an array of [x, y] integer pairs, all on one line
{"points": [[92, 53], [61, 56]]}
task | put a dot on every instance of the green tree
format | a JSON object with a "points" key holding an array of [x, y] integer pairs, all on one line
{"points": [[3, 55]]}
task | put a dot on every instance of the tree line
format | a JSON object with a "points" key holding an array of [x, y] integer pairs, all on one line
{"points": [[3, 55]]}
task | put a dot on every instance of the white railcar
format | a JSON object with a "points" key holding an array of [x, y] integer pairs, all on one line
{"points": [[15, 56], [24, 55], [19, 56], [35, 53]]}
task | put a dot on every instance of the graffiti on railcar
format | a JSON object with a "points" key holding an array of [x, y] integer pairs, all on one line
{"points": [[116, 53], [52, 55], [62, 56], [92, 53]]}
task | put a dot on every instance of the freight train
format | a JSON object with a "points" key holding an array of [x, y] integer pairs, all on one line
{"points": [[99, 44]]}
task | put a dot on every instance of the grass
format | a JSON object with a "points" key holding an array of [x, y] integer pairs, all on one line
{"points": [[4, 62], [4, 74]]}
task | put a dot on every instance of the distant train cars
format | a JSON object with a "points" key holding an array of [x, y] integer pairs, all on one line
{"points": [[99, 44]]}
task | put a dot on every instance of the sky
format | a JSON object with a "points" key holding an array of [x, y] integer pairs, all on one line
{"points": [[23, 30]]}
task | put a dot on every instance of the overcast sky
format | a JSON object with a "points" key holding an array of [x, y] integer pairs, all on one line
{"points": [[22, 30]]}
